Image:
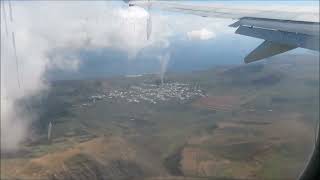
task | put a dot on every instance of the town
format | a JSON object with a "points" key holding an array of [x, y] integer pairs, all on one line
{"points": [[150, 93]]}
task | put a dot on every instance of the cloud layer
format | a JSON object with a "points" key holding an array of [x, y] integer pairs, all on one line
{"points": [[41, 29], [46, 36]]}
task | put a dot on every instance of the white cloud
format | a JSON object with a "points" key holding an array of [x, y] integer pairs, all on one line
{"points": [[43, 28], [202, 34]]}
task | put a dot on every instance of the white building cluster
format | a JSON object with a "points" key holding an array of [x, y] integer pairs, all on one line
{"points": [[150, 93]]}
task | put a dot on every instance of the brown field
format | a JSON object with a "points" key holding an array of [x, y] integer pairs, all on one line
{"points": [[235, 142], [222, 103], [103, 151]]}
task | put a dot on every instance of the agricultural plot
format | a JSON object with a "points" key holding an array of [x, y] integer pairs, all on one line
{"points": [[202, 126]]}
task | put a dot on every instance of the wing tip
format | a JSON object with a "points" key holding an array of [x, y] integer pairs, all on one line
{"points": [[235, 24], [267, 49]]}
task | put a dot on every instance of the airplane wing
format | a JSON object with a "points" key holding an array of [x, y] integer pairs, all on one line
{"points": [[282, 28]]}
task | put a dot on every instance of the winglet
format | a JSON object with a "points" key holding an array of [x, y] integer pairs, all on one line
{"points": [[267, 49]]}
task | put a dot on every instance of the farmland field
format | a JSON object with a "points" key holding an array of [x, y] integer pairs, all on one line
{"points": [[252, 121]]}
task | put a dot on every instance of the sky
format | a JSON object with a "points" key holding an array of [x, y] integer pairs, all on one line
{"points": [[79, 39]]}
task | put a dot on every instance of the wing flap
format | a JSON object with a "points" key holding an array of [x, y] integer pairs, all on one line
{"points": [[267, 49]]}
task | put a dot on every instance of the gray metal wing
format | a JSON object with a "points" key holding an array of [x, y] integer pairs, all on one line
{"points": [[279, 35]]}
